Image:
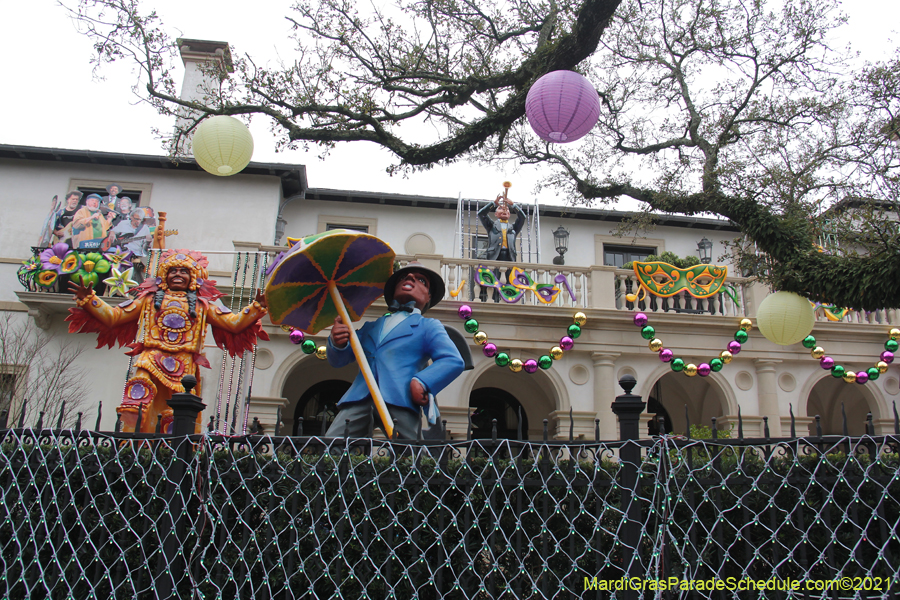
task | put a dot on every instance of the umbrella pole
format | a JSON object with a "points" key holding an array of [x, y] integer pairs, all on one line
{"points": [[363, 362]]}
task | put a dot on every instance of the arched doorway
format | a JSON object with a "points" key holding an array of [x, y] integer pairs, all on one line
{"points": [[489, 403], [676, 395], [832, 398], [318, 405]]}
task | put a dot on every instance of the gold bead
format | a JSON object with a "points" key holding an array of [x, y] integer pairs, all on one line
{"points": [[817, 352], [726, 356], [515, 365], [321, 352], [746, 324], [882, 366], [481, 338], [690, 369], [895, 333], [656, 345], [580, 319], [850, 377], [556, 352]]}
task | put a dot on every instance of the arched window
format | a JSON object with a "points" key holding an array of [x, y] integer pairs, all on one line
{"points": [[486, 404], [318, 405]]}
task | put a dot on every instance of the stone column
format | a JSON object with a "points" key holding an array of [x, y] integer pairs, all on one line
{"points": [[605, 392], [767, 393]]}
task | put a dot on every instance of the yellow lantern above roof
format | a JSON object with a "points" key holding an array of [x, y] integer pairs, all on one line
{"points": [[222, 145]]}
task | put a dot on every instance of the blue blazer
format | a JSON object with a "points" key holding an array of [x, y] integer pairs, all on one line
{"points": [[402, 355]]}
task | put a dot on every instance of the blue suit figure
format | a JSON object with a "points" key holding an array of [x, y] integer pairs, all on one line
{"points": [[398, 347]]}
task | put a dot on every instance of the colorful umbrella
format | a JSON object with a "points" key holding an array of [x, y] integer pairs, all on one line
{"points": [[338, 272]]}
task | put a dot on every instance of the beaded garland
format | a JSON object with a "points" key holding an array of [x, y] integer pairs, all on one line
{"points": [[501, 359], [308, 346], [677, 364], [862, 377]]}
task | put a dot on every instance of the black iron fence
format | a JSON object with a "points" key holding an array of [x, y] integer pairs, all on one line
{"points": [[96, 515]]}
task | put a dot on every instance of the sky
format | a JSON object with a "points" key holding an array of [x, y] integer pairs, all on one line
{"points": [[51, 98]]}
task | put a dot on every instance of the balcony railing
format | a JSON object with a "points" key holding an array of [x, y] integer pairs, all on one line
{"points": [[580, 287]]}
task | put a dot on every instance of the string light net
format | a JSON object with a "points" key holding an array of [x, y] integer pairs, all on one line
{"points": [[98, 516]]}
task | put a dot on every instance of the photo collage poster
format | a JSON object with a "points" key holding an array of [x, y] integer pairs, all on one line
{"points": [[89, 221]]}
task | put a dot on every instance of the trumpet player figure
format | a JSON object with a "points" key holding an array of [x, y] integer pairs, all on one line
{"points": [[501, 233]]}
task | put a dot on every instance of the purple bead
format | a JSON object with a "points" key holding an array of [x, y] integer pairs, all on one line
{"points": [[703, 369], [826, 362], [862, 377], [296, 336], [640, 319], [490, 350], [530, 365], [464, 312], [173, 321], [887, 356], [734, 347], [666, 355], [566, 343]]}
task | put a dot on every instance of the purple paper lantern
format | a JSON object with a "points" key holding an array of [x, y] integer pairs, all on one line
{"points": [[562, 106]]}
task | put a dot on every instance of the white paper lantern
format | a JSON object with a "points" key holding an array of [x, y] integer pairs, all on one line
{"points": [[222, 145], [785, 318]]}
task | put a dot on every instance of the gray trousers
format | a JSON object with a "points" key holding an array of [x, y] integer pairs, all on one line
{"points": [[364, 416]]}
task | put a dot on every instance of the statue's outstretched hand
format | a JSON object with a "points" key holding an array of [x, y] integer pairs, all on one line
{"points": [[261, 298], [81, 291], [340, 333]]}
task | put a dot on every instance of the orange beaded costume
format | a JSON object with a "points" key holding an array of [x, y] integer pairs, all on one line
{"points": [[174, 325]]}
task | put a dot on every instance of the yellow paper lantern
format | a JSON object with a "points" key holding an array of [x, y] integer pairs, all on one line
{"points": [[785, 318], [222, 145]]}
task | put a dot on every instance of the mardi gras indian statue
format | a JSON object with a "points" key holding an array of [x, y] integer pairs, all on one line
{"points": [[172, 311]]}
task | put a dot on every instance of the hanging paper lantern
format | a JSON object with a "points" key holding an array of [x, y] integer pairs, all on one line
{"points": [[562, 106], [785, 318], [222, 145]]}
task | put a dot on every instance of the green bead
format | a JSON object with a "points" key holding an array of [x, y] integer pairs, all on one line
{"points": [[873, 373], [648, 333], [308, 346], [716, 364], [809, 342], [741, 336], [574, 331], [502, 359], [891, 345], [677, 364], [471, 325], [838, 371], [545, 362]]}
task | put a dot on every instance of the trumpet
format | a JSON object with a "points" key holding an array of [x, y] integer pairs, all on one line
{"points": [[506, 186]]}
